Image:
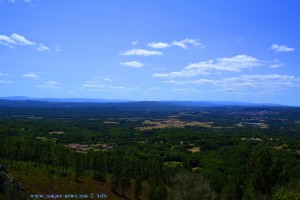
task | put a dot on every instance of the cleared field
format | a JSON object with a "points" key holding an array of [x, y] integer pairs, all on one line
{"points": [[171, 123], [173, 164], [281, 147], [110, 122], [56, 132], [258, 125], [194, 149]]}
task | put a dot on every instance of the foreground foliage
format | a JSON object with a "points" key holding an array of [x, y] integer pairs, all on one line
{"points": [[234, 158]]}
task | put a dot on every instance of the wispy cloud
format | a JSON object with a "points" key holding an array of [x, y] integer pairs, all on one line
{"points": [[21, 40], [57, 47], [259, 82], [3, 74], [7, 41], [141, 52], [232, 64], [107, 79], [42, 47], [155, 88], [49, 85], [133, 64], [93, 86], [184, 90], [5, 82], [123, 88], [97, 86], [281, 48], [184, 43], [15, 39], [158, 45], [134, 43], [31, 75], [276, 63]]}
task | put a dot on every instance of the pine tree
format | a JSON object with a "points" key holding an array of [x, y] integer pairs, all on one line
{"points": [[138, 187]]}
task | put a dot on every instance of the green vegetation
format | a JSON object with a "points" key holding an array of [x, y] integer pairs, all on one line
{"points": [[235, 157]]}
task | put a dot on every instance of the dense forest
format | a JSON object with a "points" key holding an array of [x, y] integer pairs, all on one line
{"points": [[150, 150]]}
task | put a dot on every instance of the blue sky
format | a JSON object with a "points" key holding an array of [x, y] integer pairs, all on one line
{"points": [[151, 50]]}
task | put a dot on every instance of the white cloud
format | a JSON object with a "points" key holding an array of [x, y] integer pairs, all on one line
{"points": [[14, 39], [276, 63], [183, 90], [281, 48], [50, 85], [21, 39], [133, 64], [184, 43], [196, 82], [57, 47], [28, 1], [72, 91], [5, 40], [232, 64], [42, 48], [31, 75], [107, 79], [5, 82], [155, 88], [259, 82], [158, 45], [141, 52], [123, 88], [2, 74], [93, 85], [267, 82], [134, 43]]}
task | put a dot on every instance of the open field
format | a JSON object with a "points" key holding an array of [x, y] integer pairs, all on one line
{"points": [[172, 123], [194, 149], [56, 132]]}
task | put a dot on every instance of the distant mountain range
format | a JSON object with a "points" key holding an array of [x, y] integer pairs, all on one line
{"points": [[72, 100], [22, 101], [220, 103]]}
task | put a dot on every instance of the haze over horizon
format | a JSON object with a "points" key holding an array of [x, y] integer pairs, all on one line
{"points": [[244, 51]]}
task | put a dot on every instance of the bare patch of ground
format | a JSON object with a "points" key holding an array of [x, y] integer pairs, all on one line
{"points": [[171, 123], [194, 149], [110, 122], [281, 147], [258, 124], [173, 164], [196, 169], [83, 148], [47, 139], [56, 132]]}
